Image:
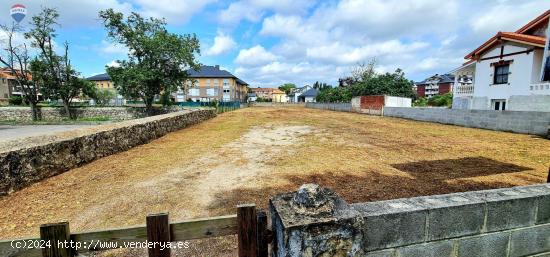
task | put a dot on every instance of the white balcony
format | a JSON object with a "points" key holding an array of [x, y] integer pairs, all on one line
{"points": [[464, 90], [542, 88]]}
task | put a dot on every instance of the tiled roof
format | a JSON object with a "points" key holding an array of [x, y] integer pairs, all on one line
{"points": [[540, 19], [510, 36], [445, 78], [206, 71], [310, 93], [277, 91], [262, 89], [6, 73], [99, 77]]}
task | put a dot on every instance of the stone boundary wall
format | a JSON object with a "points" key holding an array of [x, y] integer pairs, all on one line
{"points": [[502, 222], [24, 114], [26, 161], [340, 107], [535, 123]]}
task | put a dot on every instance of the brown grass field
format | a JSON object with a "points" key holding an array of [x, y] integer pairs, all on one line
{"points": [[249, 155]]}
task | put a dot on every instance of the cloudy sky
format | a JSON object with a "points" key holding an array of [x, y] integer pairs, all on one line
{"points": [[270, 42]]}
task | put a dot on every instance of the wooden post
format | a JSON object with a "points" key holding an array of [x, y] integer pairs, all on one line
{"points": [[263, 243], [247, 230], [548, 178], [158, 230], [56, 238]]}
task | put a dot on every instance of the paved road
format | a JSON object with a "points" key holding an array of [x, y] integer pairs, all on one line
{"points": [[9, 132]]}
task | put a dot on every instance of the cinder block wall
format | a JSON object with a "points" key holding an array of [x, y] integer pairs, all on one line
{"points": [[502, 222], [535, 123], [341, 107], [24, 162]]}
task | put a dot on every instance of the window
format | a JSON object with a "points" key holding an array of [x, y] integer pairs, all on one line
{"points": [[498, 104], [501, 74], [226, 83], [194, 91]]}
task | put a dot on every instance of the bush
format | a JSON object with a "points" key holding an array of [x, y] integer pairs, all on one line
{"points": [[102, 97], [16, 100], [441, 100]]}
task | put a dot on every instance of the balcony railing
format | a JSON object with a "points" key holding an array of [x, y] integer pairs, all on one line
{"points": [[542, 88], [464, 90]]}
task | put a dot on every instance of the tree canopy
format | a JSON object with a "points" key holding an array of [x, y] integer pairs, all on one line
{"points": [[365, 81], [157, 60], [287, 87]]}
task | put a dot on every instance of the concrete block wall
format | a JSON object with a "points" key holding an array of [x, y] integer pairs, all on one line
{"points": [[26, 161], [341, 107], [535, 123], [501, 222]]}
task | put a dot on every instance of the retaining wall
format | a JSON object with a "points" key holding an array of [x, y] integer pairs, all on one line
{"points": [[26, 161], [502, 222], [535, 123], [24, 114], [341, 107]]}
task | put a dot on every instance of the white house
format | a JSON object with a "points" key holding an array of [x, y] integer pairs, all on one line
{"points": [[505, 72], [295, 93]]}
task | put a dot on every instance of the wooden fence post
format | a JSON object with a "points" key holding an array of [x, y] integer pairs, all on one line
{"points": [[247, 230], [548, 178], [158, 230], [56, 238], [263, 243]]}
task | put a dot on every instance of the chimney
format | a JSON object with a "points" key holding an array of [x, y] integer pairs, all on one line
{"points": [[217, 67]]}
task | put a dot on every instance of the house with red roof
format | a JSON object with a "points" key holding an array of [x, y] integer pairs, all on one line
{"points": [[507, 71]]}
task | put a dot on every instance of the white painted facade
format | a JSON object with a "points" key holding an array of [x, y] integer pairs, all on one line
{"points": [[524, 91]]}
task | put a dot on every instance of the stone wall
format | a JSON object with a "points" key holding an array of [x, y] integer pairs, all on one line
{"points": [[24, 114], [535, 123], [26, 161], [341, 107], [502, 222]]}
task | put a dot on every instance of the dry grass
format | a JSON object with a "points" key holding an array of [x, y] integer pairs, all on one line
{"points": [[207, 169]]}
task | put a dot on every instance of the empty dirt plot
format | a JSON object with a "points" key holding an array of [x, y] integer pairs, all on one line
{"points": [[250, 154]]}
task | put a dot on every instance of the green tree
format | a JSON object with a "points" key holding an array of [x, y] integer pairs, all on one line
{"points": [[287, 87], [102, 97], [394, 84], [53, 73], [157, 60]]}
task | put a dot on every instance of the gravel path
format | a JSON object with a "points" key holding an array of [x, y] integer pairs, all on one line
{"points": [[10, 132]]}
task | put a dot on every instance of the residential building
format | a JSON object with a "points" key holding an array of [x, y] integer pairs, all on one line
{"points": [[435, 85], [263, 92], [252, 97], [9, 87], [103, 81], [295, 93], [210, 83], [308, 96], [505, 72], [278, 96]]}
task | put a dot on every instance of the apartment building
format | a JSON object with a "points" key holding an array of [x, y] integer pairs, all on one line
{"points": [[210, 83], [435, 85], [102, 81]]}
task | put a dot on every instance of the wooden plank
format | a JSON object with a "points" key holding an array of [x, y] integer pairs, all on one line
{"points": [[181, 231], [58, 237], [204, 228], [247, 230], [158, 231], [262, 241], [97, 240]]}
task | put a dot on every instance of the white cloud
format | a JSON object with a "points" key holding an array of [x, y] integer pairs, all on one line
{"points": [[255, 56], [113, 63], [110, 48], [222, 44], [175, 11], [254, 10], [506, 16]]}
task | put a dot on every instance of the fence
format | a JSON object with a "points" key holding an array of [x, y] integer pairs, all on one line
{"points": [[220, 106], [56, 240]]}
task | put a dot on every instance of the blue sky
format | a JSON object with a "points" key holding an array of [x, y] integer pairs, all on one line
{"points": [[270, 42]]}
